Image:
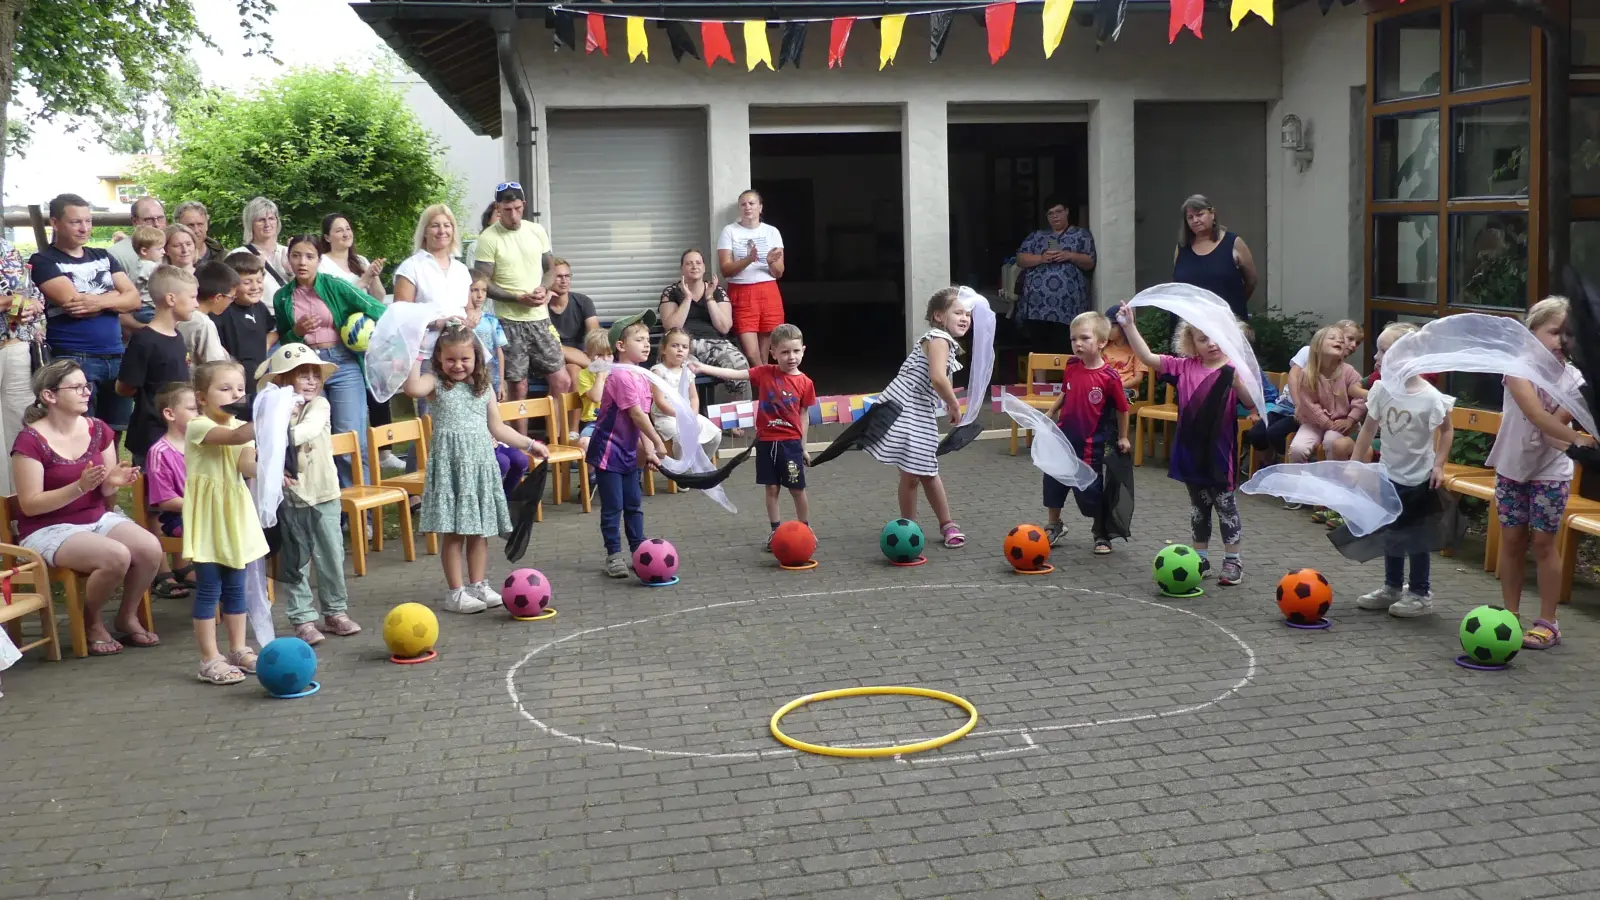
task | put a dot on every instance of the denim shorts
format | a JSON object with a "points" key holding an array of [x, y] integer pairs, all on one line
{"points": [[47, 540]]}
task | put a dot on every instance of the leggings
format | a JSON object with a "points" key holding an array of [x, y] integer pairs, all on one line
{"points": [[1201, 501], [1273, 433], [212, 581]]}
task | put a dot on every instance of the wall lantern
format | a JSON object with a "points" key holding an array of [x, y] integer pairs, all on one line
{"points": [[1293, 138]]}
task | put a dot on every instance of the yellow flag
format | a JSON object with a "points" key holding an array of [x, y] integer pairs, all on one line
{"points": [[1241, 8], [889, 40], [756, 48], [638, 44], [1055, 24]]}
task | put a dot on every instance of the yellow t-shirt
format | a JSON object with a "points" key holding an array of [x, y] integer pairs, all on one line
{"points": [[220, 524], [589, 408], [518, 265]]}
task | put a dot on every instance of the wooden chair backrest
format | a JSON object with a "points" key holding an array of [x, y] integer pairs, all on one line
{"points": [[533, 408], [1043, 362], [1277, 379], [381, 436], [1465, 418], [8, 522], [345, 443], [141, 503]]}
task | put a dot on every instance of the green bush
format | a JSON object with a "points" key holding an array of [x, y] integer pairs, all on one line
{"points": [[1280, 336]]}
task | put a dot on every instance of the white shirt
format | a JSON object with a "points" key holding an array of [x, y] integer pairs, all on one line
{"points": [[737, 239], [1300, 359], [1407, 423], [445, 289], [1521, 451]]}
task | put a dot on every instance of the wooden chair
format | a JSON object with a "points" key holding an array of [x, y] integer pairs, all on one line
{"points": [[141, 514], [29, 568], [360, 497], [1465, 418], [562, 454], [1277, 380], [72, 586], [1037, 362], [1162, 409], [1582, 516], [411, 482]]}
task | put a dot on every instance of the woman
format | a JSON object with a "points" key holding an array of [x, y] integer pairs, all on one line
{"points": [[310, 310], [182, 248], [21, 342], [491, 215], [699, 306], [432, 275], [1056, 289], [261, 222], [340, 259], [64, 465], [1212, 257], [750, 256]]}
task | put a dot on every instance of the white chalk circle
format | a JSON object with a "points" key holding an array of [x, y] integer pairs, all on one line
{"points": [[1012, 739]]}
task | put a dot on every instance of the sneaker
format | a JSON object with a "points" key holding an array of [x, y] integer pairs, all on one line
{"points": [[1294, 507], [482, 591], [1205, 567], [1382, 598], [459, 601], [1412, 605], [1055, 531], [1232, 571], [341, 625], [770, 535], [389, 461], [617, 565], [307, 631]]}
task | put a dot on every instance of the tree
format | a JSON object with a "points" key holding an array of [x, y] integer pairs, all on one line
{"points": [[314, 142], [152, 116]]}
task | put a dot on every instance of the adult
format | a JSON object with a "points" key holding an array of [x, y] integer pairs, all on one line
{"points": [[193, 215], [86, 290], [750, 256], [183, 250], [21, 339], [1212, 257], [1056, 286], [309, 310], [340, 259], [491, 215], [573, 316], [516, 256], [699, 306], [146, 211], [262, 224], [65, 469], [432, 275]]}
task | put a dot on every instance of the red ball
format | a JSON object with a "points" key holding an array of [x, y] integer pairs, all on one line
{"points": [[1027, 548], [1304, 596], [793, 543]]}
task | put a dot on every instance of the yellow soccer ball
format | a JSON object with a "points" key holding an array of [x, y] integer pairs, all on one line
{"points": [[357, 331], [410, 630]]}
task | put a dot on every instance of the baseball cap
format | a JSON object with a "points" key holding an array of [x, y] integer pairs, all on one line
{"points": [[648, 317]]}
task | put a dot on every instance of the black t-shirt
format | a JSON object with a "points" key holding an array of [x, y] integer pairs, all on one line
{"points": [[244, 330], [90, 273], [569, 322], [152, 361], [697, 321]]}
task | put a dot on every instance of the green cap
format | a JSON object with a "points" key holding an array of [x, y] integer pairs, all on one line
{"points": [[648, 317]]}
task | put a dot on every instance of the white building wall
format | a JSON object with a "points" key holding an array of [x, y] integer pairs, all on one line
{"points": [[473, 160]]}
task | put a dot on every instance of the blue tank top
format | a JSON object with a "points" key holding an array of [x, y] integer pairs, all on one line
{"points": [[1216, 272]]}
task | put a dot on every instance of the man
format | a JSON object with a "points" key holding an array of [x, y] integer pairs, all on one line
{"points": [[516, 256], [85, 291], [193, 215], [146, 211], [1056, 289], [750, 257], [574, 317]]}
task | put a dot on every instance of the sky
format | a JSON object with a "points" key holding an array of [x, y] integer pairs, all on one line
{"points": [[305, 32]]}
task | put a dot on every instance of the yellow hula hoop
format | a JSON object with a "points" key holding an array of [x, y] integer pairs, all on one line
{"points": [[867, 752]]}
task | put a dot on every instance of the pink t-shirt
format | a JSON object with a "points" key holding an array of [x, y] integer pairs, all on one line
{"points": [[59, 472], [614, 444], [164, 475], [307, 303]]}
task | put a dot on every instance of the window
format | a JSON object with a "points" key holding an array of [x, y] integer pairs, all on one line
{"points": [[1489, 48], [1586, 248], [1406, 163], [127, 193], [1405, 258], [1585, 137], [1586, 32], [1489, 150], [1408, 55], [1489, 260]]}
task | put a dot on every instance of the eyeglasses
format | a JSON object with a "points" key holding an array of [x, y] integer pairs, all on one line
{"points": [[84, 388], [507, 186]]}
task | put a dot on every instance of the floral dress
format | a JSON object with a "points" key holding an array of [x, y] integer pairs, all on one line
{"points": [[912, 442], [463, 494]]}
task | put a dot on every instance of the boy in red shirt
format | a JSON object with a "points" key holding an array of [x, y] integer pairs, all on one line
{"points": [[1092, 411], [784, 398]]}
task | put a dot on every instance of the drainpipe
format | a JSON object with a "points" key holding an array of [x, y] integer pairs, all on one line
{"points": [[522, 99]]}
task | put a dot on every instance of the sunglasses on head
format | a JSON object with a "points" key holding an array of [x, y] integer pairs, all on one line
{"points": [[507, 186]]}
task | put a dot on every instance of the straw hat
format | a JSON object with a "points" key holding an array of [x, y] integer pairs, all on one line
{"points": [[289, 357]]}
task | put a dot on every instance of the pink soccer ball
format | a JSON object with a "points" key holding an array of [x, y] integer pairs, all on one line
{"points": [[526, 593], [655, 562]]}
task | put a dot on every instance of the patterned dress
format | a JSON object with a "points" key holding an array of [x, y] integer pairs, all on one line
{"points": [[912, 442], [463, 494]]}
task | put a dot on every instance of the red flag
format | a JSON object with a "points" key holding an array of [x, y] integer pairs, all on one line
{"points": [[596, 39], [838, 35], [715, 39], [1185, 14], [998, 19]]}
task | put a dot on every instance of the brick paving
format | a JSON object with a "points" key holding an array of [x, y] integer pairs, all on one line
{"points": [[1128, 746]]}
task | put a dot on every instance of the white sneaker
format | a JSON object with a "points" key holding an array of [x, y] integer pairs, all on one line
{"points": [[1382, 598], [1412, 605], [482, 591], [459, 601], [389, 461]]}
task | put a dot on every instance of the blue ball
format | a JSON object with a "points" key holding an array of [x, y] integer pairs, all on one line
{"points": [[286, 666]]}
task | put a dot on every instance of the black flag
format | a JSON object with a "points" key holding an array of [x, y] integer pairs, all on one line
{"points": [[524, 502], [678, 38], [794, 44], [939, 34], [863, 432], [566, 28], [1108, 18], [700, 481]]}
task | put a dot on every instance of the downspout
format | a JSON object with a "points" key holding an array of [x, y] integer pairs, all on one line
{"points": [[522, 100]]}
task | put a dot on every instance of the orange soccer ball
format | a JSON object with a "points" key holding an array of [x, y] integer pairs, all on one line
{"points": [[1304, 596], [793, 543], [1027, 548]]}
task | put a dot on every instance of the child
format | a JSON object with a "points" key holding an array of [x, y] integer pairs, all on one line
{"points": [[1415, 422], [1533, 477], [156, 357], [245, 326], [1120, 357], [311, 499], [221, 532], [674, 354], [164, 477], [1329, 399], [463, 500], [1091, 408], [592, 385], [149, 245], [622, 421], [1205, 454], [486, 325], [784, 397], [199, 333]]}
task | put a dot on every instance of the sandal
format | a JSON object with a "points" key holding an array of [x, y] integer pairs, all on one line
{"points": [[141, 639], [185, 576], [104, 648], [950, 532], [1102, 548], [166, 587], [1334, 521], [243, 659], [217, 671], [1541, 636]]}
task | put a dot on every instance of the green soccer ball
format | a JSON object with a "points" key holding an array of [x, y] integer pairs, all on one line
{"points": [[1177, 569], [357, 331], [901, 540], [1491, 635]]}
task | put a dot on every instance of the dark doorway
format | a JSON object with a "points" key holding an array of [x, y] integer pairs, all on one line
{"points": [[836, 198]]}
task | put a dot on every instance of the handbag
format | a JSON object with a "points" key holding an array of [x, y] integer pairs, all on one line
{"points": [[38, 355]]}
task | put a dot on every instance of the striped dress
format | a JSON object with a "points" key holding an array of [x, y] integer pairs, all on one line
{"points": [[912, 442]]}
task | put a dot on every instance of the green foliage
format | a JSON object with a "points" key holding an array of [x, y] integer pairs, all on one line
{"points": [[152, 115], [314, 142], [1471, 448], [1280, 336], [1155, 326]]}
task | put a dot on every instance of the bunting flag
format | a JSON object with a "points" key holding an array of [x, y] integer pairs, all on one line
{"points": [[1056, 13], [793, 45], [892, 29], [596, 39], [1242, 8], [1108, 18], [756, 48], [1185, 14], [678, 38], [939, 33], [715, 39], [638, 44], [564, 29], [838, 36], [998, 19]]}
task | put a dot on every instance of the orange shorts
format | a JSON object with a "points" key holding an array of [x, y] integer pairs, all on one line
{"points": [[757, 308]]}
